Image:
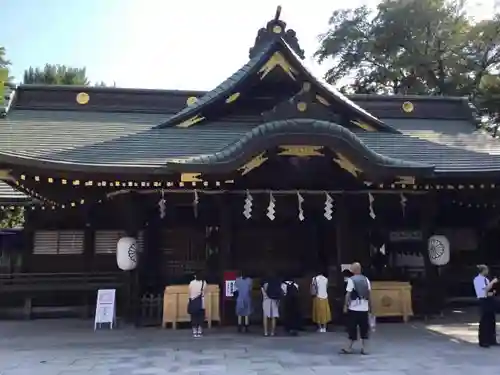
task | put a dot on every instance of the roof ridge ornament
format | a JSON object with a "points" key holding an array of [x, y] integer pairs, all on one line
{"points": [[275, 29]]}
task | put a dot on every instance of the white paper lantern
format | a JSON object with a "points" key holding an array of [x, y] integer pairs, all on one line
{"points": [[126, 253], [439, 250]]}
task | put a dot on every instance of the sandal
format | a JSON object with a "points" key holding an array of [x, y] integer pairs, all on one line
{"points": [[345, 351]]}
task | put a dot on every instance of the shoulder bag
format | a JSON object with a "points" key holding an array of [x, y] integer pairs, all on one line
{"points": [[195, 305]]}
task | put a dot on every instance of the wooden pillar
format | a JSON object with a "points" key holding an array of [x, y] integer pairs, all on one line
{"points": [[341, 225], [225, 230], [88, 259], [132, 220], [225, 259], [88, 243], [28, 239], [433, 288]]}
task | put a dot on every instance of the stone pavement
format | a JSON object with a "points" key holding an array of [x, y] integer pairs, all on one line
{"points": [[70, 347]]}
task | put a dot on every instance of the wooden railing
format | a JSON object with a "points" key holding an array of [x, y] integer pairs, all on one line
{"points": [[15, 282]]}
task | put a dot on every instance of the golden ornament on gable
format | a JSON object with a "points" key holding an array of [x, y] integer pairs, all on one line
{"points": [[364, 126], [191, 100], [277, 59], [322, 100], [191, 121], [253, 164], [408, 107], [82, 98], [347, 165], [301, 106], [233, 97], [191, 177], [277, 29], [300, 151]]}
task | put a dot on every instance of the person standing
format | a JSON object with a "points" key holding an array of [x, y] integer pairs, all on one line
{"points": [[271, 295], [196, 304], [357, 306], [321, 313], [291, 306], [486, 296], [243, 292]]}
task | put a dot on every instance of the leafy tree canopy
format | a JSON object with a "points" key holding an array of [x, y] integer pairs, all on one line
{"points": [[56, 75], [12, 217], [3, 59], [412, 47]]}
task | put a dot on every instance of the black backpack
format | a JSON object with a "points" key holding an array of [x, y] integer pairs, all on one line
{"points": [[274, 290], [292, 293]]}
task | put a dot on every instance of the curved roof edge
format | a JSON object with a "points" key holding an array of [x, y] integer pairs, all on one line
{"points": [[264, 136], [225, 88], [301, 132]]}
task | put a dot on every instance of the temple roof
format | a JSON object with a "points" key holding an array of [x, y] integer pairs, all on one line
{"points": [[90, 129], [9, 195]]}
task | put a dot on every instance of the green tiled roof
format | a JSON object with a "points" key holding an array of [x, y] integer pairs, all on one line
{"points": [[10, 195]]}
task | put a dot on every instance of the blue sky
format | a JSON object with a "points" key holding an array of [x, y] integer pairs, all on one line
{"points": [[192, 44]]}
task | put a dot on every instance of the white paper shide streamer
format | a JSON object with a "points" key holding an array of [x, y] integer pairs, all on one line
{"points": [[371, 200], [271, 207], [247, 207], [328, 207], [403, 201], [162, 205], [300, 200]]}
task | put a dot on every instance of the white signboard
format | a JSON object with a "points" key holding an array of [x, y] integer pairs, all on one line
{"points": [[105, 311], [230, 288]]}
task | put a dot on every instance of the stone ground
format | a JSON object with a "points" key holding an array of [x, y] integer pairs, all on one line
{"points": [[71, 347]]}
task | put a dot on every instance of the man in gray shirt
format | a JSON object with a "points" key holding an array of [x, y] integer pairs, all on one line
{"points": [[357, 306]]}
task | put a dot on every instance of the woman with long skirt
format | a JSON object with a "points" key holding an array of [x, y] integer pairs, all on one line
{"points": [[321, 314]]}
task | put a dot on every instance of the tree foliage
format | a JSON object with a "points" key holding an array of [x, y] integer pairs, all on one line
{"points": [[12, 217], [52, 74], [413, 47], [3, 58]]}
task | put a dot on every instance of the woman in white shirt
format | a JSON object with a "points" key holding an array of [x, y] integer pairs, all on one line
{"points": [[196, 304], [321, 314]]}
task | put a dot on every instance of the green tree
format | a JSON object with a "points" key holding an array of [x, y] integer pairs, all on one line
{"points": [[489, 94], [4, 63], [12, 217], [56, 75], [411, 46]]}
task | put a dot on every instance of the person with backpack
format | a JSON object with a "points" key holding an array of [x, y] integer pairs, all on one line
{"points": [[291, 307], [321, 313], [357, 306], [271, 296]]}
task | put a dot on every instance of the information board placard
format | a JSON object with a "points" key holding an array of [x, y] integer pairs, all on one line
{"points": [[105, 311]]}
